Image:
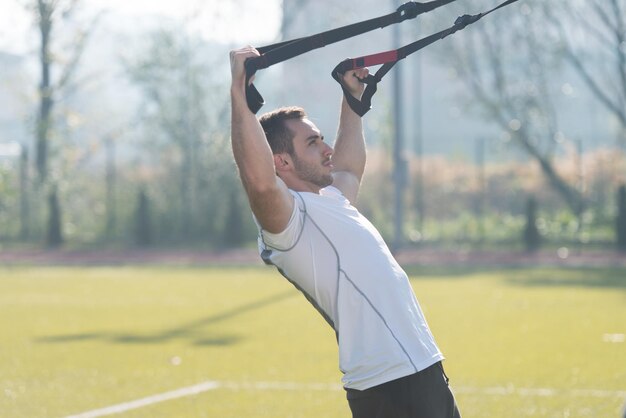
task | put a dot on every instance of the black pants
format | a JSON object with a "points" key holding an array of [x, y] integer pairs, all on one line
{"points": [[425, 394]]}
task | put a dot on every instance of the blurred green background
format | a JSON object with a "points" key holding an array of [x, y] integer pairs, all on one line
{"points": [[114, 130]]}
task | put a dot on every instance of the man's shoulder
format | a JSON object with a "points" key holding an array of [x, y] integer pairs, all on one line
{"points": [[331, 191]]}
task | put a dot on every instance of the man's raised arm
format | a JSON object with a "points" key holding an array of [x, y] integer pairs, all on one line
{"points": [[349, 156], [270, 200]]}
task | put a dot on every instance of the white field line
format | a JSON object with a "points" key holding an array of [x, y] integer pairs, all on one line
{"points": [[150, 400], [203, 387], [213, 385]]}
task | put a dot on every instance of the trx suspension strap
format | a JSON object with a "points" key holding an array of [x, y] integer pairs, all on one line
{"points": [[389, 58], [282, 51]]}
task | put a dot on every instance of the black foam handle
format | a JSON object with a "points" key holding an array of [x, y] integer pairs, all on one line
{"points": [[253, 97], [360, 107]]}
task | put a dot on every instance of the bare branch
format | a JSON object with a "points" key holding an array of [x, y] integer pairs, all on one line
{"points": [[79, 48], [604, 16], [612, 97], [511, 85]]}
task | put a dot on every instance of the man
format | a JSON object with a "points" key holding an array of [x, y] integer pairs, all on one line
{"points": [[302, 193]]}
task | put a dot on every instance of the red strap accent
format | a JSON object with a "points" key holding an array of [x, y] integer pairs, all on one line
{"points": [[375, 59]]}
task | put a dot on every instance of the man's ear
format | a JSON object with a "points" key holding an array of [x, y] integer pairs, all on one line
{"points": [[282, 162]]}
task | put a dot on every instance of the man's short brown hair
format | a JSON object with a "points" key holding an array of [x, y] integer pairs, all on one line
{"points": [[279, 136]]}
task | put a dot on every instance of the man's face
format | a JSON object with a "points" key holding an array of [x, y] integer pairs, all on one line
{"points": [[312, 156]]}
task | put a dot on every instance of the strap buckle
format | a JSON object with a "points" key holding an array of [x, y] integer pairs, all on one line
{"points": [[410, 10], [462, 21]]}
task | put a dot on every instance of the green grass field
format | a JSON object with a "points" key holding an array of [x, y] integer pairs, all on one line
{"points": [[528, 342]]}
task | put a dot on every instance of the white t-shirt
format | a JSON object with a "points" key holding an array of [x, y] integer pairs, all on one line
{"points": [[338, 259]]}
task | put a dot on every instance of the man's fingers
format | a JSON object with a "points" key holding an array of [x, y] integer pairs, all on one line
{"points": [[238, 58], [240, 55], [361, 72], [243, 53], [352, 81]]}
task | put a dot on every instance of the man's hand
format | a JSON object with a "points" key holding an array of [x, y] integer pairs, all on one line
{"points": [[352, 81], [237, 68]]}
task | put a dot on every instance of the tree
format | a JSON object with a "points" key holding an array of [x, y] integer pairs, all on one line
{"points": [[53, 59], [47, 14], [172, 87], [184, 111], [507, 74]]}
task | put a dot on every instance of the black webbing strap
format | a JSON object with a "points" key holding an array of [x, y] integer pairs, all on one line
{"points": [[282, 51], [389, 59]]}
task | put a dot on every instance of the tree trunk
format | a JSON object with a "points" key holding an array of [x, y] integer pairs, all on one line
{"points": [[532, 238], [45, 91], [55, 233]]}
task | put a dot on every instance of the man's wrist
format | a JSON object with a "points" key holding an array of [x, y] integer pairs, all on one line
{"points": [[237, 90], [239, 100]]}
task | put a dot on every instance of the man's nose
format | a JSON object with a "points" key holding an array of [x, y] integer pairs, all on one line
{"points": [[328, 150]]}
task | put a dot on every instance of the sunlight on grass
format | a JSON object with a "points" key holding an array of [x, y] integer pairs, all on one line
{"points": [[540, 342]]}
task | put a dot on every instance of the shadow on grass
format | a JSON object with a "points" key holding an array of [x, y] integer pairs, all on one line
{"points": [[193, 330]]}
